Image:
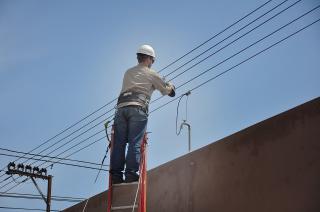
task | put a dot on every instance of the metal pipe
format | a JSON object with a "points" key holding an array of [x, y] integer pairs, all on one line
{"points": [[189, 133]]}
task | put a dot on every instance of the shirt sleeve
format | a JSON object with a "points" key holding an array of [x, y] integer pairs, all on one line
{"points": [[159, 84]]}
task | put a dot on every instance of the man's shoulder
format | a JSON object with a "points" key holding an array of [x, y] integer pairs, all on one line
{"points": [[132, 68], [153, 72], [143, 68]]}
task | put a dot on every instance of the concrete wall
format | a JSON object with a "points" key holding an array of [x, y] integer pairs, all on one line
{"points": [[271, 166], [96, 203]]}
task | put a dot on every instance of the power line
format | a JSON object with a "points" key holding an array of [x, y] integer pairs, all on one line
{"points": [[44, 156], [59, 155], [39, 197], [18, 182], [242, 50], [67, 137], [192, 79], [256, 54], [256, 27], [197, 47], [71, 141], [251, 44], [172, 72], [249, 58], [25, 209], [64, 151], [62, 163], [55, 162], [84, 118], [159, 72], [253, 29], [87, 116]]}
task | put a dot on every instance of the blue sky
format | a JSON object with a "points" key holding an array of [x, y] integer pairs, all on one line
{"points": [[61, 60]]}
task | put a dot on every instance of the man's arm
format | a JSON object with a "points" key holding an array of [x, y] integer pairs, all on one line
{"points": [[165, 88]]}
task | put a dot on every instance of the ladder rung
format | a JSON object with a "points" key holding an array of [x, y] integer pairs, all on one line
{"points": [[125, 184], [123, 207]]}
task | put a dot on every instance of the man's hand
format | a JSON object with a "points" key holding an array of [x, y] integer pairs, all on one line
{"points": [[173, 89]]}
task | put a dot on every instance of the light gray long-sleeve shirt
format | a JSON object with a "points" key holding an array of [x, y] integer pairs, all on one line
{"points": [[143, 80]]}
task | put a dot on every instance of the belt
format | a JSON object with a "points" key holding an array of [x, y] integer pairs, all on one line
{"points": [[144, 109], [132, 96]]}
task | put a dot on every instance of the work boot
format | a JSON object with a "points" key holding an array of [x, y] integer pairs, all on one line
{"points": [[131, 177], [116, 180]]}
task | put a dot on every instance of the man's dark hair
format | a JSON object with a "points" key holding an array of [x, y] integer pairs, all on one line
{"points": [[142, 57]]}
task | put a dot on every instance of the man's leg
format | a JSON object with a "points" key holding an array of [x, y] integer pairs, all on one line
{"points": [[136, 129], [119, 146]]}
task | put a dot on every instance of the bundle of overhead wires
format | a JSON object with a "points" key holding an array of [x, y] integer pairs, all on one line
{"points": [[59, 148]]}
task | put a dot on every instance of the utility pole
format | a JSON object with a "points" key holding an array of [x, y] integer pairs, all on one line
{"points": [[33, 173]]}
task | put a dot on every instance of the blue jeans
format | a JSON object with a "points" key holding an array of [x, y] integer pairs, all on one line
{"points": [[129, 127]]}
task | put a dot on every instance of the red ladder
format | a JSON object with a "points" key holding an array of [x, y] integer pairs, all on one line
{"points": [[142, 183]]}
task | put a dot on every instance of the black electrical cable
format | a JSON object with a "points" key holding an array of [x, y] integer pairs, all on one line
{"points": [[238, 64], [70, 142], [64, 151], [275, 7], [105, 156], [251, 44], [179, 68], [63, 145], [58, 160], [25, 209], [287, 37], [40, 198], [87, 116], [242, 50], [37, 195], [62, 163], [72, 138], [170, 101], [43, 156], [259, 40], [18, 182], [159, 72], [166, 75], [68, 136], [63, 131], [256, 27], [258, 53], [214, 36], [67, 149], [82, 148]]}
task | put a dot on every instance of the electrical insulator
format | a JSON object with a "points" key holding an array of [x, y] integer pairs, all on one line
{"points": [[36, 170], [43, 171], [20, 167], [28, 168], [11, 166]]}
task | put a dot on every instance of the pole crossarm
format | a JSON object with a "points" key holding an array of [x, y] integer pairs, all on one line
{"points": [[37, 173], [23, 173]]}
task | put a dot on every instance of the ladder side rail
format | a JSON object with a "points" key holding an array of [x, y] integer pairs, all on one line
{"points": [[143, 176], [109, 198]]}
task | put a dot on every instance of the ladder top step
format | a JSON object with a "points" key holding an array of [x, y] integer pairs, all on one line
{"points": [[125, 184], [123, 207]]}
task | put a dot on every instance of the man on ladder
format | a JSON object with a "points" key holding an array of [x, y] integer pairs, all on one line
{"points": [[131, 116]]}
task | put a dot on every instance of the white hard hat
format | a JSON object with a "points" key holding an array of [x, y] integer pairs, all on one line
{"points": [[147, 50]]}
